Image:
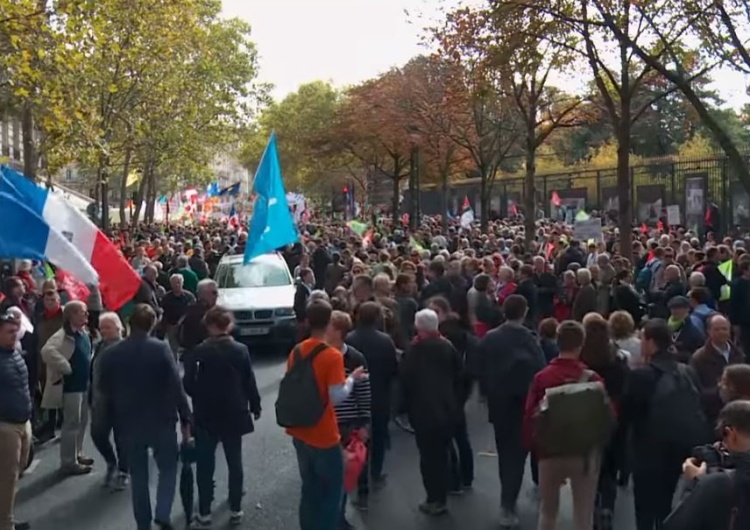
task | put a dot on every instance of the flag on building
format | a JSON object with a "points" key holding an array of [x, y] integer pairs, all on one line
{"points": [[467, 214], [117, 280], [272, 226]]}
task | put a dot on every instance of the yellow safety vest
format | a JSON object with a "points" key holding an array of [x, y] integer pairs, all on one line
{"points": [[726, 269]]}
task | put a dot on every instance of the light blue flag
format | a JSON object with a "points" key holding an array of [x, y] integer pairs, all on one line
{"points": [[272, 225]]}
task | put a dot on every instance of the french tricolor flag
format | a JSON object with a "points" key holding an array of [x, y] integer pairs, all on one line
{"points": [[52, 217]]}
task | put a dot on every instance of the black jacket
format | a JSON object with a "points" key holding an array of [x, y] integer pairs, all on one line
{"points": [[192, 330], [626, 299], [662, 297], [382, 364], [739, 303], [635, 407], [15, 400], [139, 378], [509, 357], [547, 287], [432, 384], [220, 380], [438, 287], [466, 344], [301, 295], [714, 279], [709, 500], [527, 288], [687, 340]]}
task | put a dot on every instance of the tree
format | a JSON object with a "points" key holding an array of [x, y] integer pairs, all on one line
{"points": [[486, 125], [669, 24], [300, 120], [433, 116], [373, 126]]}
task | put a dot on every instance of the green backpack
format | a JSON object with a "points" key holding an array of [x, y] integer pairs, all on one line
{"points": [[573, 419]]}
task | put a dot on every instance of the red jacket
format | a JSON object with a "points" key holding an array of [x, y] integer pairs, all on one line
{"points": [[559, 372]]}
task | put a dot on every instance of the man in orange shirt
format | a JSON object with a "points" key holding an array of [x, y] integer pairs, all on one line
{"points": [[319, 453]]}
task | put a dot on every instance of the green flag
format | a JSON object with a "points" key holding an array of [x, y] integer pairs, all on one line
{"points": [[357, 227], [414, 244], [48, 272], [582, 216]]}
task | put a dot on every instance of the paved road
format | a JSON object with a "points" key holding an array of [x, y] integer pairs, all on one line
{"points": [[272, 483]]}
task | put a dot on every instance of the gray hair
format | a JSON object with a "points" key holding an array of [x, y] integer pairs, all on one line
{"points": [[181, 262], [426, 320], [697, 279], [583, 276], [177, 277], [317, 295], [111, 316], [71, 308], [203, 285]]}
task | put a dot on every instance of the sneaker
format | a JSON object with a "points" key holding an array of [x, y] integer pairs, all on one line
{"points": [[508, 519], [121, 481], [403, 424], [85, 460], [110, 476], [433, 508], [201, 522], [361, 503], [75, 470], [456, 492], [235, 518], [21, 525], [164, 525]]}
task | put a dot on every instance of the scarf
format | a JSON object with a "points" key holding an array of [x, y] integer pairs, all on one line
{"points": [[675, 324], [426, 336], [49, 315]]}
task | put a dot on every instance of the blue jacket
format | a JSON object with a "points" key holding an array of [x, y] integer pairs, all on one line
{"points": [[699, 316], [15, 401], [140, 381]]}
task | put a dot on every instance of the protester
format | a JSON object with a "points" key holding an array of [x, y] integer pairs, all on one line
{"points": [[432, 384], [318, 449], [67, 355], [509, 357], [139, 377], [220, 380], [102, 410], [15, 428]]}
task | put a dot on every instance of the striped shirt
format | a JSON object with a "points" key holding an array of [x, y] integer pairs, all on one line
{"points": [[356, 407]]}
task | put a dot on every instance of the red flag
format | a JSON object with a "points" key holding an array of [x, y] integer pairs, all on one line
{"points": [[367, 239], [660, 226], [466, 204], [644, 229], [555, 200], [550, 249], [513, 209], [76, 290]]}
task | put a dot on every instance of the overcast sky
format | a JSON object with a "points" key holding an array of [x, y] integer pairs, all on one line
{"points": [[348, 41]]}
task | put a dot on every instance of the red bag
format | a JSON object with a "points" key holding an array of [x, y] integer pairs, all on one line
{"points": [[355, 458]]}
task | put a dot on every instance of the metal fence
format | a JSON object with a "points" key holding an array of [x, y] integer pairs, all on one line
{"points": [[686, 183]]}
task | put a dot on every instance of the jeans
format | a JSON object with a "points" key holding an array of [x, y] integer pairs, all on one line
{"points": [[163, 443], [205, 447], [75, 420], [378, 444], [322, 474], [15, 441], [655, 479], [434, 456], [511, 461], [101, 428], [461, 458]]}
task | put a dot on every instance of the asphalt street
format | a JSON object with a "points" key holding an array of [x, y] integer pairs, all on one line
{"points": [[272, 483]]}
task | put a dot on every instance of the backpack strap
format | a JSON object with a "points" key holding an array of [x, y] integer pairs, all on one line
{"points": [[297, 352]]}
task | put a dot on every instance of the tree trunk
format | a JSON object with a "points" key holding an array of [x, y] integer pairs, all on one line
{"points": [[530, 186], [30, 158], [396, 182], [624, 184], [103, 181], [139, 196], [484, 196], [444, 173], [151, 198], [124, 185]]}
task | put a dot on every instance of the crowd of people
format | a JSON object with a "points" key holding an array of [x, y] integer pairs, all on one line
{"points": [[595, 369]]}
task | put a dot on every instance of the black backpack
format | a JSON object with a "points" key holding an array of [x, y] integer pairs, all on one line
{"points": [[299, 403], [676, 413], [740, 515]]}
